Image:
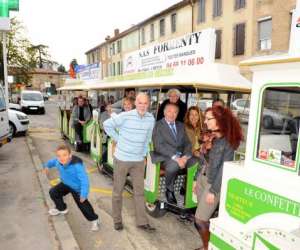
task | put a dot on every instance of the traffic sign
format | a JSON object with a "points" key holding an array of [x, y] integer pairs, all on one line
{"points": [[8, 5]]}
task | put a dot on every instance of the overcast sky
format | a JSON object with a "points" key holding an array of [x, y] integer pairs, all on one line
{"points": [[71, 27]]}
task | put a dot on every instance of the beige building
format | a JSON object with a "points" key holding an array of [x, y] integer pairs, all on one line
{"points": [[99, 54], [244, 28], [42, 78]]}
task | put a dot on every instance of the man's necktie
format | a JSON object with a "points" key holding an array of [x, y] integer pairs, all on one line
{"points": [[173, 129]]}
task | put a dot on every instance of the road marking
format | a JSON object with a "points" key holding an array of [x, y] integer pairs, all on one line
{"points": [[107, 191], [98, 243], [43, 130], [92, 170], [46, 137]]}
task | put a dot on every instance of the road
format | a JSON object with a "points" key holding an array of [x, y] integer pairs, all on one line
{"points": [[171, 233]]}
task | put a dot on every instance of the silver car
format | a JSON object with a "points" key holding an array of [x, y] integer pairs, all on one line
{"points": [[271, 118]]}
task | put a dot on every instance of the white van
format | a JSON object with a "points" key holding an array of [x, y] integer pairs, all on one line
{"points": [[32, 100], [4, 127]]}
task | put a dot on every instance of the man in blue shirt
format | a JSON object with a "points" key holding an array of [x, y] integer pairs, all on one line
{"points": [[132, 132], [74, 180]]}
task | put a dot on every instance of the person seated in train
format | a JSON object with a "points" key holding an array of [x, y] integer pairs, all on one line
{"points": [[101, 103], [223, 136], [87, 103], [129, 93], [75, 101], [102, 118], [127, 104], [174, 98], [194, 126], [219, 102], [293, 126], [172, 147], [81, 114]]}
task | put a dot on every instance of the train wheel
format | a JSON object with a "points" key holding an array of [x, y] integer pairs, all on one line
{"points": [[155, 209]]}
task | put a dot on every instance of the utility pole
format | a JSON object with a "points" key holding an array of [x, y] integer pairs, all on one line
{"points": [[5, 7]]}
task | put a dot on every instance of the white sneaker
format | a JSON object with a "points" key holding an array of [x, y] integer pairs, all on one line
{"points": [[54, 211], [95, 225]]}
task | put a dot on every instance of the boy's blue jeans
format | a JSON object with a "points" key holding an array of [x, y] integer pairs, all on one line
{"points": [[60, 190]]}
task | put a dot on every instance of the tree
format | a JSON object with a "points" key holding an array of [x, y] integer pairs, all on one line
{"points": [[61, 68], [18, 56], [22, 56], [40, 52]]}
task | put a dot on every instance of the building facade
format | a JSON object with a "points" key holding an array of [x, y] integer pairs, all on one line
{"points": [[244, 28], [45, 78]]}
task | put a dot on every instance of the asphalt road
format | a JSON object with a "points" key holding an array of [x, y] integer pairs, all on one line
{"points": [[171, 233]]}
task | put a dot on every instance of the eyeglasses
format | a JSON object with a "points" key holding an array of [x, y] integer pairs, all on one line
{"points": [[209, 118]]}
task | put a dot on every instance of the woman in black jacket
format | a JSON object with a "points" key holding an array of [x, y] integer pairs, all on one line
{"points": [[225, 135]]}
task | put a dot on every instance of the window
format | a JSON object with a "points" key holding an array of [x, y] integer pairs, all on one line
{"points": [[143, 40], [152, 32], [119, 46], [279, 126], [119, 68], [217, 8], [265, 34], [109, 69], [239, 39], [113, 49], [173, 22], [201, 11], [239, 4], [113, 69], [218, 53], [2, 100], [162, 27]]}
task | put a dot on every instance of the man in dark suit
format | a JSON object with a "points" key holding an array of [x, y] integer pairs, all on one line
{"points": [[171, 147]]}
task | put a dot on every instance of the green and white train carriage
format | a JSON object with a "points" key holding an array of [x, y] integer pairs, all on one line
{"points": [[72, 89], [199, 86]]}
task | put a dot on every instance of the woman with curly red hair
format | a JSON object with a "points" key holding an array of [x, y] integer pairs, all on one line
{"points": [[225, 137]]}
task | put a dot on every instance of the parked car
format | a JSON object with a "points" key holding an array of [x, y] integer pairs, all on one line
{"points": [[271, 118], [32, 101], [18, 122], [5, 136], [205, 104], [14, 106]]}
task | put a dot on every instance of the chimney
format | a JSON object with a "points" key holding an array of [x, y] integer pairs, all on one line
{"points": [[117, 32]]}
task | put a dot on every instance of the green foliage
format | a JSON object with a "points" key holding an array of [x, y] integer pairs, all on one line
{"points": [[61, 68], [22, 56]]}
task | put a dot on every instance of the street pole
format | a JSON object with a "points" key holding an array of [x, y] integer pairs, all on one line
{"points": [[5, 67], [5, 7]]}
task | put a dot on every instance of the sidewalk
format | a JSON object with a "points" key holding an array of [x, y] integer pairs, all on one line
{"points": [[25, 224]]}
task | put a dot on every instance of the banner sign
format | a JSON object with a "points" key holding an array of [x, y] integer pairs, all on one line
{"points": [[245, 202], [191, 49], [89, 72]]}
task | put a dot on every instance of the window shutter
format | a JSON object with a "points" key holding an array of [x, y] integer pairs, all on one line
{"points": [[239, 39], [201, 11], [218, 53]]}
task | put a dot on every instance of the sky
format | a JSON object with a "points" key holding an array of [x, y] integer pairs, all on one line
{"points": [[72, 27]]}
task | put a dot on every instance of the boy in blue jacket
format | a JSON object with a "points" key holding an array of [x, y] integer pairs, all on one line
{"points": [[74, 180]]}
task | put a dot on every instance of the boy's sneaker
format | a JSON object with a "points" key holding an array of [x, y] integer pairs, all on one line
{"points": [[95, 225], [54, 211]]}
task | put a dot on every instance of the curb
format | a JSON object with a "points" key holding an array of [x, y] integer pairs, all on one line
{"points": [[62, 229]]}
